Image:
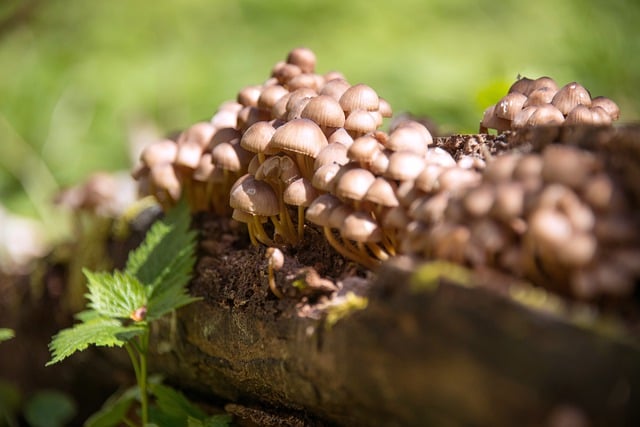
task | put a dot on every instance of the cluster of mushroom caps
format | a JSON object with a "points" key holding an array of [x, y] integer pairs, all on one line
{"points": [[304, 148], [536, 102]]}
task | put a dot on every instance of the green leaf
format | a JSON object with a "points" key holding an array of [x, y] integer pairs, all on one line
{"points": [[220, 420], [114, 409], [6, 334], [98, 331], [115, 295], [174, 403], [49, 408], [166, 257]]}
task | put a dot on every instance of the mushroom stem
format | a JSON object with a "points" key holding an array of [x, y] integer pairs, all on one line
{"points": [[300, 222], [275, 262], [261, 234], [377, 251], [368, 262], [252, 233]]}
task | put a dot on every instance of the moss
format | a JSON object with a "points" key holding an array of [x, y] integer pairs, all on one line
{"points": [[428, 276], [344, 307]]}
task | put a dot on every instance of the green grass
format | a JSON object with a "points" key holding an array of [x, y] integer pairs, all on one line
{"points": [[78, 76]]}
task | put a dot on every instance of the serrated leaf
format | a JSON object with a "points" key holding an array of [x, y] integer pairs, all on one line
{"points": [[173, 403], [115, 295], [166, 256], [114, 409], [98, 331], [220, 420]]}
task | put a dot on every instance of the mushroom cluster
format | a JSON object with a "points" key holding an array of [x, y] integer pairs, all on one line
{"points": [[538, 102], [555, 218], [304, 148]]}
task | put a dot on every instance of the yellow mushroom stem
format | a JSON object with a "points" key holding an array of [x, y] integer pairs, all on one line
{"points": [[252, 233], [352, 254], [260, 233], [300, 222], [377, 251], [305, 164]]}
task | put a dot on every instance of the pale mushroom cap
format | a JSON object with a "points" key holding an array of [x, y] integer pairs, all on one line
{"points": [[204, 169], [323, 178], [188, 155], [359, 97], [427, 181], [335, 88], [199, 133], [304, 80], [360, 122], [543, 82], [364, 149], [491, 121], [284, 72], [501, 167], [567, 165], [304, 58], [245, 217], [340, 135], [163, 151], [225, 135], [230, 156], [275, 258], [382, 192], [384, 108], [249, 95], [410, 137], [380, 162], [404, 165], [300, 136], [281, 168], [439, 156], [270, 95], [250, 115], [255, 197], [354, 183], [359, 226], [334, 152], [300, 193], [164, 176], [319, 210], [325, 111], [600, 116]]}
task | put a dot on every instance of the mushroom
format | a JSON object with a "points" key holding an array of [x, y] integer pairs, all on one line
{"points": [[275, 262], [302, 138], [258, 199], [325, 112], [300, 193]]}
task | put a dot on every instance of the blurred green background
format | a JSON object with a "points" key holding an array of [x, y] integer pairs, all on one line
{"points": [[78, 78]]}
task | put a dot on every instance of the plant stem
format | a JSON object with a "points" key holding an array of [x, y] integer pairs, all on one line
{"points": [[131, 350], [142, 381], [128, 422]]}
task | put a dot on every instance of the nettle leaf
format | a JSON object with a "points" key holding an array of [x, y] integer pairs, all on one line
{"points": [[115, 295], [172, 402], [164, 262], [98, 331], [167, 251], [114, 409]]}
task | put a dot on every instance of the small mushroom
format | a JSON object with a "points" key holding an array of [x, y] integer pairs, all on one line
{"points": [[275, 262]]}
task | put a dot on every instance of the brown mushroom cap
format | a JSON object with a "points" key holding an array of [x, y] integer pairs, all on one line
{"points": [[199, 133], [188, 155], [300, 193], [510, 105], [542, 95], [270, 95], [384, 108], [163, 151], [359, 97], [334, 152], [545, 115], [320, 209], [580, 114], [404, 165], [570, 95], [522, 118], [354, 183], [342, 136], [410, 136], [523, 85], [230, 156], [254, 197], [300, 136], [204, 169], [304, 58], [249, 95], [324, 177], [364, 149], [335, 88], [304, 80], [256, 138], [608, 105], [360, 122], [382, 193], [325, 111], [491, 121]]}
